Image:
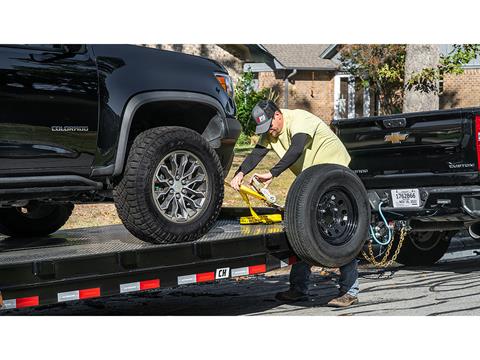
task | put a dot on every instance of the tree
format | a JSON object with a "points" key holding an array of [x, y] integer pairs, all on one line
{"points": [[418, 59], [380, 67], [427, 79], [246, 97]]}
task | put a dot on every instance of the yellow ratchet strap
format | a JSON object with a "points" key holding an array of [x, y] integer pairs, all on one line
{"points": [[255, 218]]}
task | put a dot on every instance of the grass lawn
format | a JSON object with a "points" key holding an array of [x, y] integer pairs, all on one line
{"points": [[105, 214]]}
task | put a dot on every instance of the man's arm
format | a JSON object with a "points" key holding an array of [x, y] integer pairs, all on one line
{"points": [[293, 154], [252, 160]]}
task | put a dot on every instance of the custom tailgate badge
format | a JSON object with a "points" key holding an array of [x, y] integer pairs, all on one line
{"points": [[396, 138]]}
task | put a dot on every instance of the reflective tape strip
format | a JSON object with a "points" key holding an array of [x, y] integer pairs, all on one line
{"points": [[208, 276], [249, 270], [68, 296], [27, 302], [196, 278], [124, 288], [149, 284], [288, 261], [89, 293], [78, 294], [243, 271], [187, 279], [9, 304], [20, 302], [140, 285], [257, 269]]}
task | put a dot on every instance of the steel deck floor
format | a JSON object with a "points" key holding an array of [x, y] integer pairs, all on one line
{"points": [[108, 239]]}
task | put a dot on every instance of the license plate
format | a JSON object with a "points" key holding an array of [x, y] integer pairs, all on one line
{"points": [[405, 198]]}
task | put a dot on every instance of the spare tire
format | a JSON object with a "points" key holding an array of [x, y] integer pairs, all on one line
{"points": [[327, 215]]}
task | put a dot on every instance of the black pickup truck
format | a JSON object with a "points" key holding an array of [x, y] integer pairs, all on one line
{"points": [[153, 130], [423, 168]]}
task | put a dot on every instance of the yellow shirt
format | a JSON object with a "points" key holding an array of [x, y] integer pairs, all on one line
{"points": [[323, 146]]}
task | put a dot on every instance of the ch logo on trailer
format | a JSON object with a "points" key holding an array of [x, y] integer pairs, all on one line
{"points": [[396, 138]]}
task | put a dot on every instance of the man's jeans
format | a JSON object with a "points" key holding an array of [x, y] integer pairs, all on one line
{"points": [[300, 274]]}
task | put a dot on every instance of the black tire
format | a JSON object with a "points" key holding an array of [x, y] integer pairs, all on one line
{"points": [[134, 198], [36, 219], [423, 248], [336, 237]]}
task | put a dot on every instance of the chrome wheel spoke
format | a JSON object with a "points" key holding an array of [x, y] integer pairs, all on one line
{"points": [[173, 160], [193, 203], [166, 203], [190, 171], [183, 164], [183, 208], [164, 171], [195, 180], [162, 192]]}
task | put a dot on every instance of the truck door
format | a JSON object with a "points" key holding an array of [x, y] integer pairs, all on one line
{"points": [[48, 109]]}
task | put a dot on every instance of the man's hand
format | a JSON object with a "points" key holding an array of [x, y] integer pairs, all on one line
{"points": [[265, 178], [237, 181]]}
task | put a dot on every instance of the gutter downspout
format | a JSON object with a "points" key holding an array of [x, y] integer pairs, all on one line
{"points": [[285, 98]]}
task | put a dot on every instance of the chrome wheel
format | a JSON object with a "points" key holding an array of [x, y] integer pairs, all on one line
{"points": [[180, 186]]}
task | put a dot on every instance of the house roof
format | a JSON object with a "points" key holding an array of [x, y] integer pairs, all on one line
{"points": [[301, 56]]}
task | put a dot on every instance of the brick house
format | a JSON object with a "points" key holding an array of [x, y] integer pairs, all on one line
{"points": [[461, 90], [456, 91], [299, 76], [310, 77]]}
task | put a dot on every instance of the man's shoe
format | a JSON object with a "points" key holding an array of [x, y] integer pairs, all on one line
{"points": [[343, 301], [291, 296]]}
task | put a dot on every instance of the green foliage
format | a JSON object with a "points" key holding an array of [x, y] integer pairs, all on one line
{"points": [[427, 79], [243, 140], [382, 68], [246, 97]]}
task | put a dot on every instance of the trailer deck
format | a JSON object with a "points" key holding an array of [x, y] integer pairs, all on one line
{"points": [[108, 260]]}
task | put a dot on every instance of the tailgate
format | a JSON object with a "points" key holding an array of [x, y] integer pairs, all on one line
{"points": [[432, 148]]}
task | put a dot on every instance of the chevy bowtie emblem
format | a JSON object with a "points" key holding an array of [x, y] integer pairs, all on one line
{"points": [[396, 138]]}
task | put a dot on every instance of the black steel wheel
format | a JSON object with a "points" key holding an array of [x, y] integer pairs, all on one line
{"points": [[337, 216]]}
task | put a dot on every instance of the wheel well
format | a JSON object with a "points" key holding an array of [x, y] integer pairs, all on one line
{"points": [[192, 115]]}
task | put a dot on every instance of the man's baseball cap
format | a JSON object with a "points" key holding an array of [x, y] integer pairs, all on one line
{"points": [[262, 114]]}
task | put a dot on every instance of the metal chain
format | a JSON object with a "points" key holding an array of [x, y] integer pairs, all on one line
{"points": [[385, 262]]}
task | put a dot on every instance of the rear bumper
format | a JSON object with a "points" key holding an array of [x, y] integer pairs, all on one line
{"points": [[447, 203]]}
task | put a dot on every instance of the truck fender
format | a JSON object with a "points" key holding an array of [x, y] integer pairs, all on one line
{"points": [[212, 133]]}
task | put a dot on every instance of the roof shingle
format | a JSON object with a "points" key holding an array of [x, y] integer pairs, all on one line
{"points": [[301, 56]]}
